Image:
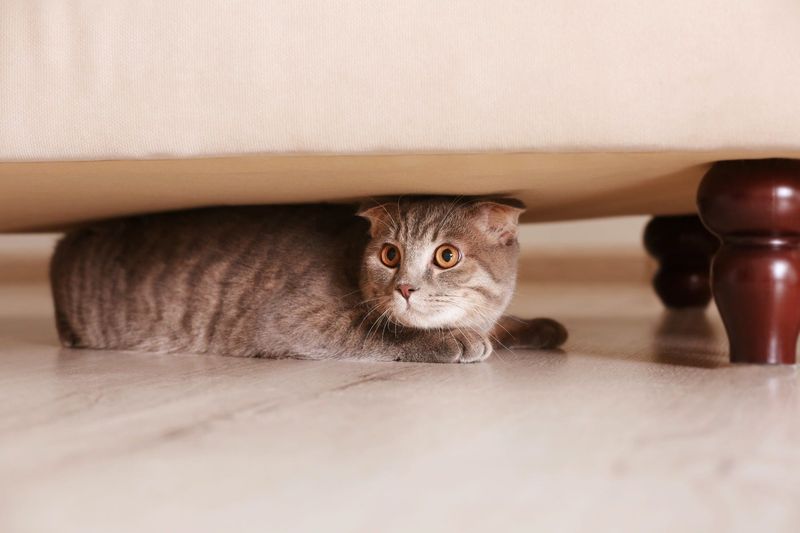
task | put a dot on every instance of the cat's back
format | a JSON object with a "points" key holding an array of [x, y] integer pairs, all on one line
{"points": [[173, 281]]}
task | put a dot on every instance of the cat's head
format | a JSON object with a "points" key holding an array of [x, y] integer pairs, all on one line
{"points": [[440, 262]]}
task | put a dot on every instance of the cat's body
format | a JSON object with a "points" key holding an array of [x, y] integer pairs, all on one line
{"points": [[297, 281]]}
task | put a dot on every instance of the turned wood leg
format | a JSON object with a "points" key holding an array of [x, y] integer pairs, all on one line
{"points": [[754, 207], [683, 248]]}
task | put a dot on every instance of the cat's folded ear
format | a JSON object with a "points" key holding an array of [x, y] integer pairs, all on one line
{"points": [[378, 213], [499, 218]]}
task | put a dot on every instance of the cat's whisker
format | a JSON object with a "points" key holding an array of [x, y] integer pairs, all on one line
{"points": [[370, 300], [389, 228], [388, 214], [386, 325], [376, 323], [366, 315], [343, 296], [384, 320], [501, 326]]}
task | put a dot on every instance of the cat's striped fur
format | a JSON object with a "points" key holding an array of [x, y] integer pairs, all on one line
{"points": [[298, 281]]}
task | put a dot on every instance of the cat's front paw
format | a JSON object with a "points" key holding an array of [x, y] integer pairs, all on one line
{"points": [[449, 347], [474, 347], [443, 349]]}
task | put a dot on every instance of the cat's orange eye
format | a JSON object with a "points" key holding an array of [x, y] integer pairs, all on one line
{"points": [[390, 255], [446, 256]]}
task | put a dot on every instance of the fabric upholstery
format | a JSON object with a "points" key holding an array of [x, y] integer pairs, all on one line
{"points": [[555, 186], [125, 79]]}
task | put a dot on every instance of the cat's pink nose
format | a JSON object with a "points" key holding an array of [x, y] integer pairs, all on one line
{"points": [[405, 289]]}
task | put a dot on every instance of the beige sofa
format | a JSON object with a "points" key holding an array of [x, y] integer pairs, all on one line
{"points": [[581, 108]]}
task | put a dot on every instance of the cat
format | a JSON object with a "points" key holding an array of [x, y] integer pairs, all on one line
{"points": [[421, 279]]}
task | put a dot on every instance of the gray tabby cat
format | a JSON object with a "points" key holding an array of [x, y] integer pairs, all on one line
{"points": [[411, 279]]}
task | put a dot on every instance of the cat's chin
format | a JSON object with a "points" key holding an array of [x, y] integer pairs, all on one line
{"points": [[426, 319]]}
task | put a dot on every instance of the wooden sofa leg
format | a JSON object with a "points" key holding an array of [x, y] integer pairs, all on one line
{"points": [[683, 248], [754, 207]]}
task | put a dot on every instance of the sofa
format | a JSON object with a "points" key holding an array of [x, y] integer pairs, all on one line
{"points": [[579, 108]]}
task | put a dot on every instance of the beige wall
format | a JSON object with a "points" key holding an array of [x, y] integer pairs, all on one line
{"points": [[605, 233], [601, 251]]}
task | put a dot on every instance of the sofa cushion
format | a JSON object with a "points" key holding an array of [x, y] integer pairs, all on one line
{"points": [[196, 78]]}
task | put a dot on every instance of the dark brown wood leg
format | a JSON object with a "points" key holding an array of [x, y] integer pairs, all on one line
{"points": [[754, 207], [683, 248]]}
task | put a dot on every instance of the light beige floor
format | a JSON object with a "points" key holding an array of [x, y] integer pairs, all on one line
{"points": [[639, 425]]}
